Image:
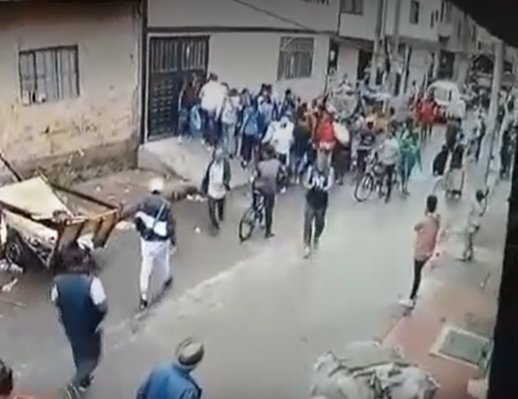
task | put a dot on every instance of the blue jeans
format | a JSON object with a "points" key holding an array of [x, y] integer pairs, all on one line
{"points": [[229, 138]]}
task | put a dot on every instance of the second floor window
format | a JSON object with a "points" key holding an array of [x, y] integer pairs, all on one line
{"points": [[48, 75], [351, 6], [295, 57], [414, 12]]}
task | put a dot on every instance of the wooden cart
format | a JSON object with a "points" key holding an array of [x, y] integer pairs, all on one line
{"points": [[41, 219]]}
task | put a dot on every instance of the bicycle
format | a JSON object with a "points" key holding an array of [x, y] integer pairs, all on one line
{"points": [[373, 179], [253, 216]]}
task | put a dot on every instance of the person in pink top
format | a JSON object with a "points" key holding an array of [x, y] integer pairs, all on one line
{"points": [[427, 233]]}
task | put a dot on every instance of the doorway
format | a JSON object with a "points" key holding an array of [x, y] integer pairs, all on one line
{"points": [[173, 63]]}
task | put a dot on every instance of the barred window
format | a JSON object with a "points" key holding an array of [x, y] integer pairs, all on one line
{"points": [[48, 75], [351, 6], [295, 57]]}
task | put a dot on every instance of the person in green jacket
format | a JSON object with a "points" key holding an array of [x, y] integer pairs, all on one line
{"points": [[410, 153]]}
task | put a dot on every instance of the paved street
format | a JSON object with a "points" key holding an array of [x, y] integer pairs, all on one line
{"points": [[263, 311]]}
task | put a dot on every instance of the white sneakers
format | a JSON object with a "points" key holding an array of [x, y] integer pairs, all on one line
{"points": [[407, 303], [307, 252]]}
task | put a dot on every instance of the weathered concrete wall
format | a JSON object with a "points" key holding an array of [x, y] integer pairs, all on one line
{"points": [[98, 129], [250, 59], [283, 14]]}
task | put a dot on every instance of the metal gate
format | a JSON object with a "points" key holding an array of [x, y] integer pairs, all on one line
{"points": [[173, 62]]}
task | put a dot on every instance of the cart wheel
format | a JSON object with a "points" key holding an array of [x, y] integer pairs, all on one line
{"points": [[13, 251]]}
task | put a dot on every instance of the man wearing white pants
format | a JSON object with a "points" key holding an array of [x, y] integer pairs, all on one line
{"points": [[156, 226]]}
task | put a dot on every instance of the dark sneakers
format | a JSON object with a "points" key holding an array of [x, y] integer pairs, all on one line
{"points": [[168, 283], [143, 305]]}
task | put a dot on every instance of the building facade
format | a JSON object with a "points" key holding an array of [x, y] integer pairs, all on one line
{"points": [[70, 86], [435, 39], [246, 43]]}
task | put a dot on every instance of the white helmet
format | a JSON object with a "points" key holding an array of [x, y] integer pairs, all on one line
{"points": [[156, 185]]}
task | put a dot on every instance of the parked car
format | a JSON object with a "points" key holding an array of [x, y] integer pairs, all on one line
{"points": [[448, 98]]}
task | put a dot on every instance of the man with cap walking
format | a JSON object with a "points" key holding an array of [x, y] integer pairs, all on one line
{"points": [[156, 226], [174, 381]]}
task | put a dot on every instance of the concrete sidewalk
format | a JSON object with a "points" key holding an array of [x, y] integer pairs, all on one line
{"points": [[458, 295]]}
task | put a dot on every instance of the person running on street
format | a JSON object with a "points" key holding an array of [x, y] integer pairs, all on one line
{"points": [[319, 180], [268, 172], [215, 185], [389, 154], [79, 296], [174, 380], [156, 226], [427, 235], [476, 212]]}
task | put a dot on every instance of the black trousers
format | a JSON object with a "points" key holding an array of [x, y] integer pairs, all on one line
{"points": [[314, 223], [269, 203], [86, 351], [248, 146], [418, 270], [389, 178], [216, 211]]}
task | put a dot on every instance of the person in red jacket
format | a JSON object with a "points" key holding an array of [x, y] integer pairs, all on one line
{"points": [[427, 117], [325, 139]]}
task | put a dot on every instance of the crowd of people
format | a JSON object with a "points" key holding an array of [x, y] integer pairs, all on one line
{"points": [[282, 141]]}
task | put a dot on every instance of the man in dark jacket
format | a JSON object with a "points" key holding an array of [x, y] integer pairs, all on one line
{"points": [[81, 301], [215, 186], [319, 180], [174, 381], [156, 226]]}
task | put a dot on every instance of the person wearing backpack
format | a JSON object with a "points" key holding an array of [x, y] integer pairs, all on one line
{"points": [[156, 226], [319, 180]]}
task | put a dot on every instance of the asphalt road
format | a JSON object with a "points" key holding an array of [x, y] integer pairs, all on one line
{"points": [[262, 310]]}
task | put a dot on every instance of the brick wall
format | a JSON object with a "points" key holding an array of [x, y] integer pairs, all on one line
{"points": [[98, 129]]}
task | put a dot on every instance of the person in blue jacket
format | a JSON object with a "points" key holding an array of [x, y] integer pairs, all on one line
{"points": [[79, 296], [174, 381]]}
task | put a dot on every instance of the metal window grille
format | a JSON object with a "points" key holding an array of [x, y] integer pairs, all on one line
{"points": [[48, 75], [193, 54], [295, 58], [351, 6]]}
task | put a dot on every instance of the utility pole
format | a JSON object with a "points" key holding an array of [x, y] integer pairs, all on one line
{"points": [[498, 69], [378, 34], [395, 64]]}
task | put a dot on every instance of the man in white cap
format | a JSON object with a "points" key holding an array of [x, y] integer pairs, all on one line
{"points": [[156, 226], [174, 381]]}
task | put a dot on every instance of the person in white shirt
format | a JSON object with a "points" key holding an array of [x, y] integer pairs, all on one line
{"points": [[280, 136], [388, 154], [212, 97], [476, 212], [215, 186]]}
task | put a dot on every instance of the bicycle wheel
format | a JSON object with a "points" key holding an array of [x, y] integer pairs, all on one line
{"points": [[247, 224], [364, 188]]}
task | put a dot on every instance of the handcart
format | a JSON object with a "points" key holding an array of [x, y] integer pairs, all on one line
{"points": [[41, 219]]}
